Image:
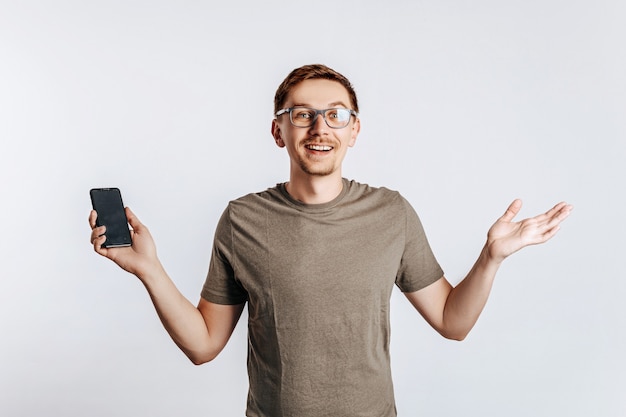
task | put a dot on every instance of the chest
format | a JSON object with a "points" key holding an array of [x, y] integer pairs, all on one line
{"points": [[320, 262]]}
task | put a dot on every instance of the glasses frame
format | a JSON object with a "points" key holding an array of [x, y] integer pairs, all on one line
{"points": [[315, 114]]}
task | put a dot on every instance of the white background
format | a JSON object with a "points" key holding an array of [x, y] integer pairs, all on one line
{"points": [[465, 105]]}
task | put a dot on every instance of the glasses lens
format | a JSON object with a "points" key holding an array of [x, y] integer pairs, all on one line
{"points": [[337, 117], [305, 117], [302, 116]]}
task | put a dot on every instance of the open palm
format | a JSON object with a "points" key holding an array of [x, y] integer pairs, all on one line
{"points": [[506, 237]]}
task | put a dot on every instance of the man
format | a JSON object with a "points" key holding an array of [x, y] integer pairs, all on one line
{"points": [[316, 259]]}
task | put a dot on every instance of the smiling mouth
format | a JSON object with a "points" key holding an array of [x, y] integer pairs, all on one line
{"points": [[319, 148]]}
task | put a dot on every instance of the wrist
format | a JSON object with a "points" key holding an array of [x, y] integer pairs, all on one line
{"points": [[490, 256], [151, 271]]}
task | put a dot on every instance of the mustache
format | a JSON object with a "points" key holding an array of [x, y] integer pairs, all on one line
{"points": [[319, 141]]}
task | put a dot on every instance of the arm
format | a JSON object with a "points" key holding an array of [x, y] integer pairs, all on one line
{"points": [[453, 311], [200, 332]]}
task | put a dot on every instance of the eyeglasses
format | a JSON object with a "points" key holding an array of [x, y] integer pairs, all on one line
{"points": [[305, 117]]}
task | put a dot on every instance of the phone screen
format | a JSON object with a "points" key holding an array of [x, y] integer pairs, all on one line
{"points": [[107, 202]]}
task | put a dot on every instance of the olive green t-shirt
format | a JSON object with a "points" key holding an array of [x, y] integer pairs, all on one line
{"points": [[318, 282]]}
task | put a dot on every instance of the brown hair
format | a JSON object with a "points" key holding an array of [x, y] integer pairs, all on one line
{"points": [[311, 72]]}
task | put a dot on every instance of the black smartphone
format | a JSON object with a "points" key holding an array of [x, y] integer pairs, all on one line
{"points": [[107, 202]]}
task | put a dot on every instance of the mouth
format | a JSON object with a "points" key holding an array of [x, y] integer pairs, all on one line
{"points": [[318, 147]]}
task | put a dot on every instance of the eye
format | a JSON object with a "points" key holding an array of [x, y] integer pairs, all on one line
{"points": [[338, 114], [302, 114]]}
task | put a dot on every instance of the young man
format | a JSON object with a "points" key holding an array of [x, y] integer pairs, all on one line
{"points": [[316, 259]]}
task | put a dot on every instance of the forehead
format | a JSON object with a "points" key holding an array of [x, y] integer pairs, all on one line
{"points": [[318, 93]]}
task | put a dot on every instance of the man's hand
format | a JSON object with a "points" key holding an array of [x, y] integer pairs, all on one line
{"points": [[137, 259], [506, 237], [201, 333]]}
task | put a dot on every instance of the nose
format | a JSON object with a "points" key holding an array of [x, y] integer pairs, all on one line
{"points": [[319, 124]]}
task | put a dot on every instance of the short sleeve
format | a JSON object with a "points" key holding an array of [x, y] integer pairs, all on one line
{"points": [[419, 267], [221, 285]]}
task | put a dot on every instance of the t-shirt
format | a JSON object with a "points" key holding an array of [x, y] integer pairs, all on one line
{"points": [[318, 281]]}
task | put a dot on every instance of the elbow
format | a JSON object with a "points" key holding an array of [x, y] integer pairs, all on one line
{"points": [[454, 330], [198, 361], [457, 336], [200, 358]]}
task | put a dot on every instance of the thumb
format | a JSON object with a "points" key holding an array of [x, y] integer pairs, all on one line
{"points": [[512, 210], [133, 220]]}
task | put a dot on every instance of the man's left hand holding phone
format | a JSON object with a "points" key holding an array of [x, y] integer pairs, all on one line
{"points": [[132, 249]]}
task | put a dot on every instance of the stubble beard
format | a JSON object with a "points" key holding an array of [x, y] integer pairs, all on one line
{"points": [[313, 169]]}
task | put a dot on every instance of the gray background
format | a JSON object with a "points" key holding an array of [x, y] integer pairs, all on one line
{"points": [[466, 105]]}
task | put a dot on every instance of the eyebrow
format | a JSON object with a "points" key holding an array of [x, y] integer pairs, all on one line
{"points": [[331, 105]]}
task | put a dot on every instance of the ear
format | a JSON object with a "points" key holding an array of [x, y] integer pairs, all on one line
{"points": [[356, 128], [277, 134]]}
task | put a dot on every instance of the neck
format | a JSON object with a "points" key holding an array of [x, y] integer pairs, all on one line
{"points": [[315, 189]]}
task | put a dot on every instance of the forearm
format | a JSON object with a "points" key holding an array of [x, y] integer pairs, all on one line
{"points": [[182, 320], [466, 301], [454, 311], [201, 332]]}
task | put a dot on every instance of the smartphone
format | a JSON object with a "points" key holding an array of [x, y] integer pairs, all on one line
{"points": [[107, 202]]}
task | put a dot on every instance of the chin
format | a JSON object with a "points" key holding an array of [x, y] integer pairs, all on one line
{"points": [[319, 172]]}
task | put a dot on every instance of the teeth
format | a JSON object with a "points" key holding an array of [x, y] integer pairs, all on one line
{"points": [[320, 147]]}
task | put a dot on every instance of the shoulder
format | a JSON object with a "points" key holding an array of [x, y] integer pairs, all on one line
{"points": [[255, 203], [256, 197], [359, 191]]}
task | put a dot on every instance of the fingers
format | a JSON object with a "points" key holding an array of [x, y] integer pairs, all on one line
{"points": [[560, 210], [551, 217], [96, 231], [558, 207], [558, 213], [97, 243], [548, 224], [512, 210], [93, 215], [97, 237]]}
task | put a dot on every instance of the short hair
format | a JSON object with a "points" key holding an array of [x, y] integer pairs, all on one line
{"points": [[312, 72]]}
